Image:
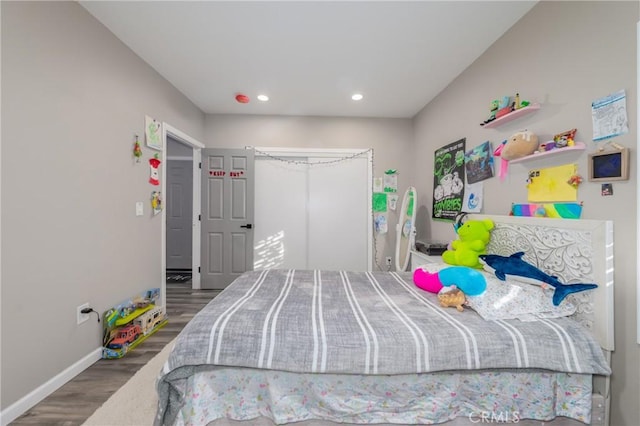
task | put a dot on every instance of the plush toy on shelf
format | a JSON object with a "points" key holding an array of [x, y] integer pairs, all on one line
{"points": [[473, 237], [519, 145]]}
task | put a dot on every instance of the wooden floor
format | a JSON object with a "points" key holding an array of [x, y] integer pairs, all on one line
{"points": [[76, 401]]}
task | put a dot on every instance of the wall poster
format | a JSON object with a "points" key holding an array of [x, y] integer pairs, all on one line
{"points": [[479, 163], [448, 181], [552, 184]]}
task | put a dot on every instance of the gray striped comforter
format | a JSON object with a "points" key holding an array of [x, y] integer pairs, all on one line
{"points": [[361, 323]]}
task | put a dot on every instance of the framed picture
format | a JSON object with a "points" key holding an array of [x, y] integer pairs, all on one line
{"points": [[609, 165]]}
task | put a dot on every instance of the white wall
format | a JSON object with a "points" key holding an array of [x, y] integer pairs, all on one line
{"points": [[563, 55], [391, 140], [73, 96]]}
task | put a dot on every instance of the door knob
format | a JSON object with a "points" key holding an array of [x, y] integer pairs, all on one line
{"points": [[248, 226]]}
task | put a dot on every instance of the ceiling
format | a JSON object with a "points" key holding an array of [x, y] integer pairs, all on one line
{"points": [[309, 57]]}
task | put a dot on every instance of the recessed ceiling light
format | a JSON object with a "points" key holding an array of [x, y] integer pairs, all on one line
{"points": [[357, 97], [263, 98]]}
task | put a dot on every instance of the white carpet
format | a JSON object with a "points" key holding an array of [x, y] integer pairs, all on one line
{"points": [[135, 403]]}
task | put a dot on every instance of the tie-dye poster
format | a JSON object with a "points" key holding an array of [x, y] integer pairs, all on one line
{"points": [[448, 181]]}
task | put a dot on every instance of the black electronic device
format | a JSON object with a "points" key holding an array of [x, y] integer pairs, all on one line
{"points": [[431, 249]]}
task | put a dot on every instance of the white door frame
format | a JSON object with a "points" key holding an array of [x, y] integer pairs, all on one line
{"points": [[638, 190], [333, 153], [197, 146]]}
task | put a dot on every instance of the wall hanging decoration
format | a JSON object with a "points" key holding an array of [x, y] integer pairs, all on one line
{"points": [[479, 163], [378, 184], [553, 210], [153, 133], [552, 184], [606, 189], [393, 201], [390, 181], [473, 195], [154, 163], [606, 166], [156, 202], [609, 115], [380, 223], [137, 151], [379, 202], [448, 180]]}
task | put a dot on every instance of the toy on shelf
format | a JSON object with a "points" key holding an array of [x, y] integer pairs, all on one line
{"points": [[503, 107], [495, 105], [565, 138], [541, 152], [519, 145], [506, 109], [129, 323]]}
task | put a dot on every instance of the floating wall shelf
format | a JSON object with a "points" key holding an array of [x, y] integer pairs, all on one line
{"points": [[579, 146], [512, 116]]}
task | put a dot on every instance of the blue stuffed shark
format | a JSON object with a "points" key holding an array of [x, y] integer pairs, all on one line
{"points": [[514, 266]]}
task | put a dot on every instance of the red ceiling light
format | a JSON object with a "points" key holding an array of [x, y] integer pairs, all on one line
{"points": [[243, 99]]}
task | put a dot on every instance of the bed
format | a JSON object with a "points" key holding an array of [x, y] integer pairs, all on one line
{"points": [[343, 347]]}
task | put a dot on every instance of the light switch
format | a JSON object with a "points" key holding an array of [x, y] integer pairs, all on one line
{"points": [[139, 208]]}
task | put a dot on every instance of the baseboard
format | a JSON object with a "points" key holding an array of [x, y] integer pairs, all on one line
{"points": [[25, 403]]}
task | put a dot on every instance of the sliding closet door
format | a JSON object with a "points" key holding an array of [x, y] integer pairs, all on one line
{"points": [[338, 214], [310, 215], [280, 233]]}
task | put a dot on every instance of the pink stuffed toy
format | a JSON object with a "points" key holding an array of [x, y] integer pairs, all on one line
{"points": [[469, 280]]}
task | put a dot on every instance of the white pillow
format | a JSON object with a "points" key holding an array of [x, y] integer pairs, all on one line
{"points": [[512, 299]]}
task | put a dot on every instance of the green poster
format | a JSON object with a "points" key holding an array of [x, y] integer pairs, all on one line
{"points": [[448, 181], [379, 202]]}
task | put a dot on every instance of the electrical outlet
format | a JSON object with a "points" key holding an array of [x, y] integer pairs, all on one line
{"points": [[80, 316], [388, 260]]}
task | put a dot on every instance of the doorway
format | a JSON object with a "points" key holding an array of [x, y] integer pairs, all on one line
{"points": [[179, 205], [171, 135]]}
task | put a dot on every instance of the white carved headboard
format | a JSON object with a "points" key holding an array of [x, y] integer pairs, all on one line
{"points": [[574, 250]]}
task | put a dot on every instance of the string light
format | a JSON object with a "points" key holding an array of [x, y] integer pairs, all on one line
{"points": [[313, 163]]}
